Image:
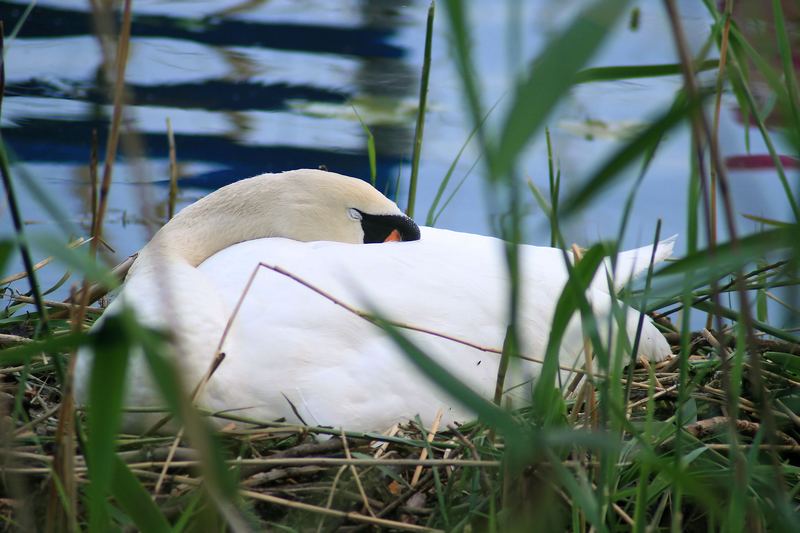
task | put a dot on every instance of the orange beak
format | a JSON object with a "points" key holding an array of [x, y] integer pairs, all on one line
{"points": [[394, 236]]}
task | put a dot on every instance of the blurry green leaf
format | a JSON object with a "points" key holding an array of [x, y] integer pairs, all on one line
{"points": [[767, 221], [6, 249], [787, 60], [17, 355], [78, 259], [787, 361], [552, 74], [135, 500], [188, 513], [736, 316], [487, 411], [728, 258], [636, 71], [220, 481], [580, 490], [689, 411], [111, 343], [547, 400]]}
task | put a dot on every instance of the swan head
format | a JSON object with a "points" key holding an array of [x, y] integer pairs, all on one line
{"points": [[316, 205], [303, 205]]}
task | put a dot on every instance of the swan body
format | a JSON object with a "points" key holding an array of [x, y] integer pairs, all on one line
{"points": [[292, 353]]}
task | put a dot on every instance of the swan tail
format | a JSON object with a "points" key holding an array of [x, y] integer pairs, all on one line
{"points": [[632, 263]]}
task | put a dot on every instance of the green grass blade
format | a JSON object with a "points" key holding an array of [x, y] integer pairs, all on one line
{"points": [[77, 259], [786, 60], [17, 355], [373, 165], [546, 400], [430, 220], [616, 73], [423, 101], [729, 257], [486, 410], [455, 191], [111, 343], [135, 500]]}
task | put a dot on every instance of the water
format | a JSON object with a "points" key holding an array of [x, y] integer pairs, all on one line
{"points": [[255, 87]]}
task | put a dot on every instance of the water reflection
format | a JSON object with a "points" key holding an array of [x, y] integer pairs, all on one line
{"points": [[247, 88], [257, 86]]}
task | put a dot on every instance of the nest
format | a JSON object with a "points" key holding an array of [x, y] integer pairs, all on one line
{"points": [[411, 477]]}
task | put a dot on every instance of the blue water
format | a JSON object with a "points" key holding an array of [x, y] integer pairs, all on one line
{"points": [[255, 87]]}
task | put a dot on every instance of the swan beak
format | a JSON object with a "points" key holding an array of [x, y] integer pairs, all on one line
{"points": [[394, 236]]}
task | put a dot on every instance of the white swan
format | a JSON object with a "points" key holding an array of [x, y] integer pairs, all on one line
{"points": [[291, 353]]}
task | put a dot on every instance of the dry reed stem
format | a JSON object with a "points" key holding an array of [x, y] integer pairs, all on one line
{"points": [[355, 517], [487, 482], [424, 453], [63, 437], [97, 291], [702, 130], [383, 446], [44, 262], [173, 172], [332, 492], [709, 426], [356, 477], [9, 339], [93, 192], [269, 462], [112, 143], [657, 395], [176, 441], [723, 58], [58, 305]]}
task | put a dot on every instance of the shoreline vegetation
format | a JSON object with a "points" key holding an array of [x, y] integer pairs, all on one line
{"points": [[707, 440]]}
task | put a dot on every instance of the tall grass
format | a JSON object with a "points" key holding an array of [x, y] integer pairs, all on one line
{"points": [[707, 440]]}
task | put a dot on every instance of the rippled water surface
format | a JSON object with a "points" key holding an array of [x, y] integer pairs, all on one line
{"points": [[258, 86]]}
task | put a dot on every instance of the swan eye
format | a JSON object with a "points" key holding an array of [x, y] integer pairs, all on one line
{"points": [[354, 213]]}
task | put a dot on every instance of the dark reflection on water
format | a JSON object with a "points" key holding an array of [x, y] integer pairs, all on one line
{"points": [[381, 77]]}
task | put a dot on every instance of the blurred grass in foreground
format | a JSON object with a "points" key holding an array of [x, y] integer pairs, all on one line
{"points": [[705, 441]]}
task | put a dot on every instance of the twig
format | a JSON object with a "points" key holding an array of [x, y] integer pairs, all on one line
{"points": [[57, 305], [355, 517], [65, 432], [7, 338], [356, 476], [173, 172], [424, 453], [97, 291], [329, 503], [709, 426], [116, 118], [474, 452], [44, 262], [93, 177], [269, 462]]}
